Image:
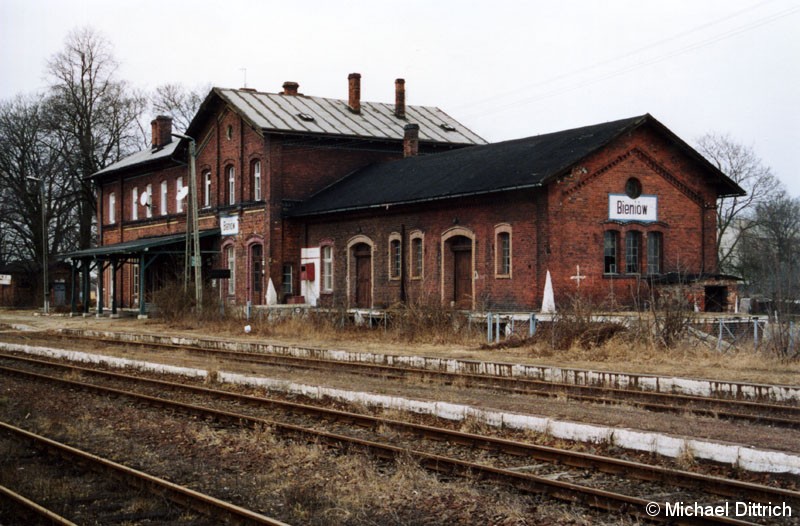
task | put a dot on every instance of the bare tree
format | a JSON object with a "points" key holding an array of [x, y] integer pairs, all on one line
{"points": [[93, 113], [31, 154], [769, 249], [179, 102], [734, 214]]}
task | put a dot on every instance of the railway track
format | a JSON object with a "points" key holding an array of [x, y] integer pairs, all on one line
{"points": [[770, 414], [514, 470], [107, 500]]}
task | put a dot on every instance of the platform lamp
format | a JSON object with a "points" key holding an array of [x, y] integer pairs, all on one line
{"points": [[192, 228], [46, 292]]}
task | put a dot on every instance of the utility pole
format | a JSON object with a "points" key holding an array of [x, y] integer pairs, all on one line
{"points": [[192, 223]]}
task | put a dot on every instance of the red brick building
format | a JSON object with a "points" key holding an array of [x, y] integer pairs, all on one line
{"points": [[354, 204]]}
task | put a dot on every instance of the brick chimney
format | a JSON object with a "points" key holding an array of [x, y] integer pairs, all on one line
{"points": [[161, 131], [290, 88], [354, 93], [400, 98], [411, 140]]}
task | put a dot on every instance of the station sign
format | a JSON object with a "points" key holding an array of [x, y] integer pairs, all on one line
{"points": [[623, 208], [229, 225]]}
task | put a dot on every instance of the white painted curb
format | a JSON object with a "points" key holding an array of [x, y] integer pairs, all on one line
{"points": [[745, 457]]}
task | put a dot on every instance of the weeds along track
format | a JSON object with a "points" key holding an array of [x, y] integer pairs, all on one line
{"points": [[600, 482], [91, 488], [773, 414]]}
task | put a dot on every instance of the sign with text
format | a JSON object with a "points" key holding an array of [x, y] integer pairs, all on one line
{"points": [[229, 225], [5, 279], [623, 208]]}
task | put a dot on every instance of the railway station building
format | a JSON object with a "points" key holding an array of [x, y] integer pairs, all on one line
{"points": [[345, 203]]}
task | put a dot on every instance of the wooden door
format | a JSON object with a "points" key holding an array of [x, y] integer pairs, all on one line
{"points": [[462, 277], [363, 292]]}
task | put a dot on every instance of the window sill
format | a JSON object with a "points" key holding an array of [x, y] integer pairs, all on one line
{"points": [[502, 276]]}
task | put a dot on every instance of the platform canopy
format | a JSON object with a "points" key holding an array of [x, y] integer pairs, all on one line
{"points": [[150, 245]]}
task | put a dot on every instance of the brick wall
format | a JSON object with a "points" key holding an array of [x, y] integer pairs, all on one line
{"points": [[558, 228]]}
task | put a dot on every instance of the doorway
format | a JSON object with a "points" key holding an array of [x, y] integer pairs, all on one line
{"points": [[362, 254], [461, 248], [257, 274]]}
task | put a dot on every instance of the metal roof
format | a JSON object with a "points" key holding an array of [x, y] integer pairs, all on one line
{"points": [[142, 157], [136, 246], [318, 115]]}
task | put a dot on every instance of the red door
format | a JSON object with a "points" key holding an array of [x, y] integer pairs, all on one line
{"points": [[462, 276], [363, 257]]}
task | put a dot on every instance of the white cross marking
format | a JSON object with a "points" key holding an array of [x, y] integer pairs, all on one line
{"points": [[578, 276]]}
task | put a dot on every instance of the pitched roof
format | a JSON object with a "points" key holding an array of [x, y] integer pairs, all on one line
{"points": [[141, 158], [522, 163], [323, 116]]}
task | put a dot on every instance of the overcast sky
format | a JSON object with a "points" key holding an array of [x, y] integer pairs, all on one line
{"points": [[506, 69]]}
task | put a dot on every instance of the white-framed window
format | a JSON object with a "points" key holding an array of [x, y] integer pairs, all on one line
{"points": [[257, 181], [112, 208], [178, 200], [231, 176], [135, 203], [149, 208], [230, 257], [207, 189], [163, 201], [327, 268]]}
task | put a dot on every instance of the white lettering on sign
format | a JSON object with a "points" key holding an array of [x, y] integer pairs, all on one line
{"points": [[229, 225], [623, 208], [5, 279]]}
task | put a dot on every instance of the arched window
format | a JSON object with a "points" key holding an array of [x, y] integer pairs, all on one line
{"points": [[148, 209], [417, 255], [230, 262], [231, 177], [206, 189], [163, 201], [502, 257], [395, 256], [255, 168], [135, 203], [178, 200], [112, 208]]}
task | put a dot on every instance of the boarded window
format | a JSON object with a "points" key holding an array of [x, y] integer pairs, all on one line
{"points": [[416, 257]]}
